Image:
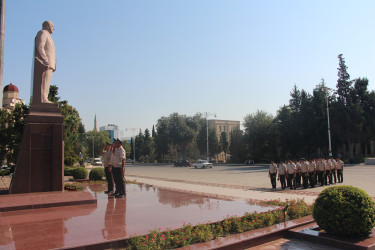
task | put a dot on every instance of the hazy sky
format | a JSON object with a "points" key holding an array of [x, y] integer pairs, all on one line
{"points": [[132, 62]]}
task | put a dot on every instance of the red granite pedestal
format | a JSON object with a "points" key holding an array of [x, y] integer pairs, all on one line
{"points": [[40, 162]]}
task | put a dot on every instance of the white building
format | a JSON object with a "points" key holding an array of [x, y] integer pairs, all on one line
{"points": [[113, 130]]}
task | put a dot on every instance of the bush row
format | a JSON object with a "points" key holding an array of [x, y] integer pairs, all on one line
{"points": [[189, 234]]}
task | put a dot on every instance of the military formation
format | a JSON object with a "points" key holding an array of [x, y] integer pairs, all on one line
{"points": [[113, 157], [304, 174]]}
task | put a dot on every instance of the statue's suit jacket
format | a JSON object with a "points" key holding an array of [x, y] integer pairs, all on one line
{"points": [[45, 51]]}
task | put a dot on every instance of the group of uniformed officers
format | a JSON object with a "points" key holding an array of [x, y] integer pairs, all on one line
{"points": [[113, 157], [316, 171]]}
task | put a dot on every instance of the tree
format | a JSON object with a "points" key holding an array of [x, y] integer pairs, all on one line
{"points": [[74, 142], [224, 144], [12, 125], [237, 147], [95, 140], [259, 132]]}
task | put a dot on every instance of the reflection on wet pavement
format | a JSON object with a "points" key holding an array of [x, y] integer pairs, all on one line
{"points": [[145, 208]]}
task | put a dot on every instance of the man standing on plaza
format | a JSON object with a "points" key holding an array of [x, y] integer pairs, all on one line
{"points": [[304, 172], [272, 174], [328, 177], [282, 172], [321, 168], [118, 169], [333, 170], [291, 173], [312, 173], [340, 170], [106, 154]]}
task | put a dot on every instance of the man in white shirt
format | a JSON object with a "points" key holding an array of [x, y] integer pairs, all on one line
{"points": [[118, 169], [282, 172], [272, 174], [340, 170], [106, 154]]}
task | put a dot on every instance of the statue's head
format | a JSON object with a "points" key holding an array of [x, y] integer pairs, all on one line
{"points": [[48, 25]]}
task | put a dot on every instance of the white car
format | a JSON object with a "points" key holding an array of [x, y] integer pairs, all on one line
{"points": [[202, 164]]}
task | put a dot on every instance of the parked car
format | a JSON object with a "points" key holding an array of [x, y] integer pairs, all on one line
{"points": [[202, 164], [249, 162], [183, 163], [96, 162]]}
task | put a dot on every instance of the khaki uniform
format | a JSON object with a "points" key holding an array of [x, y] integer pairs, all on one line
{"points": [[298, 174], [340, 171], [333, 170], [328, 176], [304, 173], [282, 172], [291, 170], [312, 173], [272, 172], [116, 161], [321, 168], [106, 159]]}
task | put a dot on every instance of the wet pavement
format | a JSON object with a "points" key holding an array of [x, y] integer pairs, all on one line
{"points": [[292, 244], [145, 208]]}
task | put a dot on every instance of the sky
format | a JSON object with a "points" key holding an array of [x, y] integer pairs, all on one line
{"points": [[132, 62]]}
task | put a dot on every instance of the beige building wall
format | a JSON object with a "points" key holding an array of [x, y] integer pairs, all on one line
{"points": [[223, 126]]}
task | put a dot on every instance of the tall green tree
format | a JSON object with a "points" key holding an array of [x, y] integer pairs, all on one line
{"points": [[12, 125], [237, 147], [74, 143], [259, 134], [224, 143]]}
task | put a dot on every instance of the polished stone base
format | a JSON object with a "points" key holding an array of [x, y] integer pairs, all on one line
{"points": [[44, 200], [40, 162]]}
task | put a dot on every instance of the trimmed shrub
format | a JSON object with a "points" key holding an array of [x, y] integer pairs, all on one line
{"points": [[96, 174], [68, 171], [4, 172], [345, 211], [79, 173]]}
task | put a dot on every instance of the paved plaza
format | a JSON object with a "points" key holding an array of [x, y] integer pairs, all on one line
{"points": [[239, 181]]}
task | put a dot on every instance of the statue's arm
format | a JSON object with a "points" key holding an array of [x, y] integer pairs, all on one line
{"points": [[40, 42]]}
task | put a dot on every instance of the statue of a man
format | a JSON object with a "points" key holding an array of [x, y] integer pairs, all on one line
{"points": [[44, 63]]}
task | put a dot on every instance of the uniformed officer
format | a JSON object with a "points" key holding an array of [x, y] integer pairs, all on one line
{"points": [[312, 173], [118, 168], [272, 174], [291, 174], [321, 169], [340, 170], [328, 177], [298, 173], [304, 172], [106, 154], [282, 172], [333, 170]]}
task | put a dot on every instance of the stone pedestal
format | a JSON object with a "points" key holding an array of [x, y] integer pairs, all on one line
{"points": [[40, 162]]}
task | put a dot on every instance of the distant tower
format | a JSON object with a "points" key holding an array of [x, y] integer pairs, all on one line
{"points": [[95, 124]]}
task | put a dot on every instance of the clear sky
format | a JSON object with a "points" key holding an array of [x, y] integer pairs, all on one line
{"points": [[132, 62]]}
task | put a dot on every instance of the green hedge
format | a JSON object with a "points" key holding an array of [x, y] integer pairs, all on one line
{"points": [[79, 173], [68, 171], [96, 174], [4, 172], [345, 211]]}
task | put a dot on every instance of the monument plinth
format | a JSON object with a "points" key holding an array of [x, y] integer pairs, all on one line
{"points": [[40, 162]]}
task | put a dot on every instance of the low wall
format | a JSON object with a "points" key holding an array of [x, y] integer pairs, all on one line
{"points": [[370, 161]]}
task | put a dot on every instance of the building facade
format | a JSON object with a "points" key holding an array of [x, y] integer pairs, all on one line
{"points": [[113, 130], [10, 97], [223, 126]]}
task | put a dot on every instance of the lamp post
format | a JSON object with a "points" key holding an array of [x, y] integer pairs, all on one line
{"points": [[326, 90], [207, 114]]}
